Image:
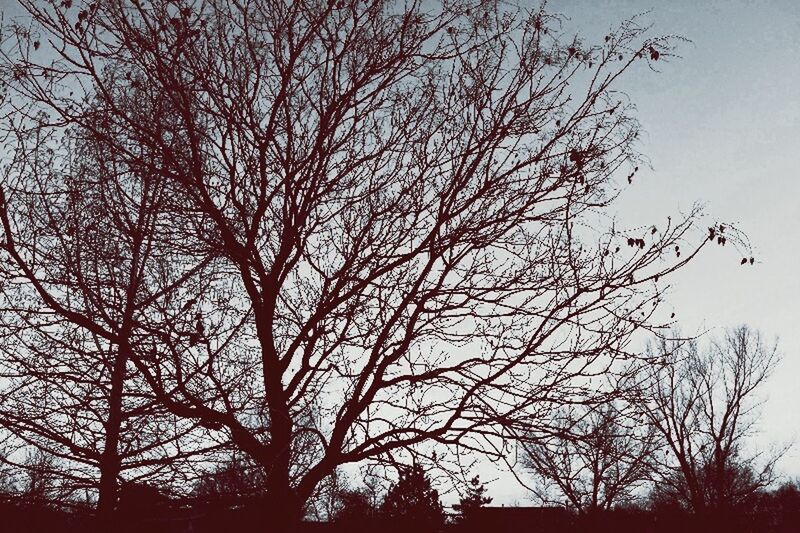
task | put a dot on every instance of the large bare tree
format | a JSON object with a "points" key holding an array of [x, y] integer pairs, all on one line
{"points": [[82, 266], [379, 224], [704, 403]]}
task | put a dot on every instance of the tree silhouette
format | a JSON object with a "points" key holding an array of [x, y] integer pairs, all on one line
{"points": [[704, 405], [84, 238], [355, 511], [475, 499], [598, 457], [351, 227], [781, 506], [234, 482], [412, 503]]}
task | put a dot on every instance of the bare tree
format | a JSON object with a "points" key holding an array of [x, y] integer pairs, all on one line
{"points": [[233, 482], [36, 479], [600, 458], [56, 401], [379, 224], [704, 404], [80, 263]]}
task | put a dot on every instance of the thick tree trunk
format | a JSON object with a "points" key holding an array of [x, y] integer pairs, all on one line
{"points": [[284, 508], [283, 511]]}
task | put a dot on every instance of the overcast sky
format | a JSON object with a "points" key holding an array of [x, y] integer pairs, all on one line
{"points": [[722, 128]]}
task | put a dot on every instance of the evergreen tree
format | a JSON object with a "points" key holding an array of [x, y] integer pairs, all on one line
{"points": [[413, 502], [475, 499]]}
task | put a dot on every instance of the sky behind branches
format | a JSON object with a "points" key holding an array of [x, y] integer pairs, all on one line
{"points": [[722, 128]]}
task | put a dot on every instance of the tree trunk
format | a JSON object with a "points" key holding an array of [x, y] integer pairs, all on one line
{"points": [[110, 461], [283, 512], [284, 507]]}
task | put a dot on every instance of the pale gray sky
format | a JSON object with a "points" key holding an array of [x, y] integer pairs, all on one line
{"points": [[723, 128]]}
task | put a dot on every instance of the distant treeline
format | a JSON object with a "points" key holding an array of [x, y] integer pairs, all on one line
{"points": [[774, 511]]}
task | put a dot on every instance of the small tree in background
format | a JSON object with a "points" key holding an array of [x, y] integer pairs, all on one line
{"points": [[780, 506], [475, 499], [598, 457], [412, 502], [236, 481], [356, 510], [140, 500], [704, 404]]}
